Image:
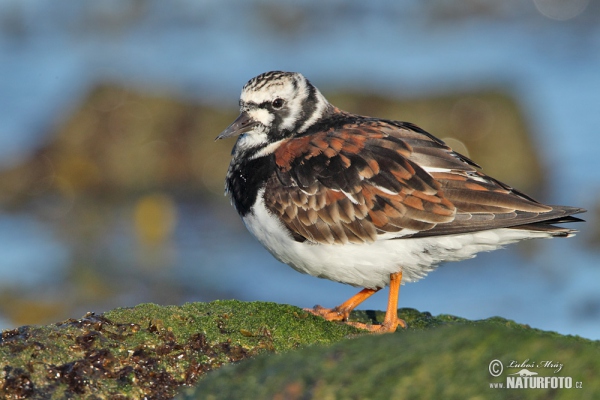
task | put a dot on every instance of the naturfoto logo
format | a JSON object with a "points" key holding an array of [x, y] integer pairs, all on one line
{"points": [[526, 375]]}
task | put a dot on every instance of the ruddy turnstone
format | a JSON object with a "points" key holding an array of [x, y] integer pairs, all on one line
{"points": [[365, 201]]}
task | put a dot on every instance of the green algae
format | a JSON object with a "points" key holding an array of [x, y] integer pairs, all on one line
{"points": [[448, 362], [156, 352], [150, 351]]}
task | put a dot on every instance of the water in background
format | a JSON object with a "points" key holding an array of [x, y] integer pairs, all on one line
{"points": [[546, 53]]}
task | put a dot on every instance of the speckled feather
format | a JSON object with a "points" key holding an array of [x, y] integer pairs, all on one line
{"points": [[369, 177]]}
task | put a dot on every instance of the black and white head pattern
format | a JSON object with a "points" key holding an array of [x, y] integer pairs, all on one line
{"points": [[282, 104]]}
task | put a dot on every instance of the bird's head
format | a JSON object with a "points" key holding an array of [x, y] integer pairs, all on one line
{"points": [[274, 106]]}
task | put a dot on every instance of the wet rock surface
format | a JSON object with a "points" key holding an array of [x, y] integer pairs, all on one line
{"points": [[157, 352], [455, 361], [148, 351]]}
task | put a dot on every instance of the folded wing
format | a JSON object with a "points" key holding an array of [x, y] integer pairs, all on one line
{"points": [[371, 179]]}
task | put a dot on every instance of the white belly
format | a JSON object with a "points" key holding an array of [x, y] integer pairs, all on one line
{"points": [[369, 265]]}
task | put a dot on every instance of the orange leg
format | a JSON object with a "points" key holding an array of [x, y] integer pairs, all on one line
{"points": [[341, 312], [391, 320]]}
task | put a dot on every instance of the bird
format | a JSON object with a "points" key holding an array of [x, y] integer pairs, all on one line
{"points": [[365, 201]]}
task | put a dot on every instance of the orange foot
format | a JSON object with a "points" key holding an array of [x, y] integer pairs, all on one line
{"points": [[330, 314], [386, 327], [341, 312]]}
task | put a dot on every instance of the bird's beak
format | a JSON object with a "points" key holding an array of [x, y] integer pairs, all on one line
{"points": [[242, 124]]}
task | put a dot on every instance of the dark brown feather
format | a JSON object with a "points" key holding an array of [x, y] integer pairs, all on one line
{"points": [[369, 177]]}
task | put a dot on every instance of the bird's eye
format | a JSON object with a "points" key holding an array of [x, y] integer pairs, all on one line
{"points": [[277, 103]]}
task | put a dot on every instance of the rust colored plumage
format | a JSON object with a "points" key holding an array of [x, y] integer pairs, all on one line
{"points": [[351, 184], [370, 177]]}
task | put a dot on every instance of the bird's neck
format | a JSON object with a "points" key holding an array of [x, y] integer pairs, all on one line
{"points": [[245, 178]]}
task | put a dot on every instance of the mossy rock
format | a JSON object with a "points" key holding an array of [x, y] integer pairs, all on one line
{"points": [[119, 141], [155, 352], [150, 351], [449, 362]]}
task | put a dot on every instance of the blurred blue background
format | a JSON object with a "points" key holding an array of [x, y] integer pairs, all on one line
{"points": [[70, 250]]}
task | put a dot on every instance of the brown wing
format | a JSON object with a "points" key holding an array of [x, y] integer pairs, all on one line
{"points": [[352, 184], [481, 201], [372, 177]]}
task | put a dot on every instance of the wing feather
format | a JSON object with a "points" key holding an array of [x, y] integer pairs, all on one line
{"points": [[369, 177]]}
